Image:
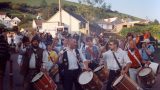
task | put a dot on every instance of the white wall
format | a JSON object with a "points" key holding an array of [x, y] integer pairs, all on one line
{"points": [[50, 27], [2, 16], [71, 22]]}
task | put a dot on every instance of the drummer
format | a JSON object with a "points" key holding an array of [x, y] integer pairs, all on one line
{"points": [[92, 53], [33, 61], [70, 67], [116, 68], [137, 62]]}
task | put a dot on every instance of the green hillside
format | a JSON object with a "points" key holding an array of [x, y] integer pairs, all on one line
{"points": [[28, 9]]}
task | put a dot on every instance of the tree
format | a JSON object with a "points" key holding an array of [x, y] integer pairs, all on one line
{"points": [[156, 21], [93, 9], [43, 3]]}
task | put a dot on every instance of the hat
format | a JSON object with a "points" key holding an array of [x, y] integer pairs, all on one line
{"points": [[35, 38], [146, 40], [25, 39]]}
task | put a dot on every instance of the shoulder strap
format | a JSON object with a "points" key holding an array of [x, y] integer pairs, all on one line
{"points": [[50, 57], [78, 55], [117, 61], [136, 58]]}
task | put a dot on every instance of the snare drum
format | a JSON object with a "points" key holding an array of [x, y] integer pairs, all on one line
{"points": [[42, 81], [155, 67], [123, 82], [102, 73], [89, 81], [54, 70], [146, 77]]}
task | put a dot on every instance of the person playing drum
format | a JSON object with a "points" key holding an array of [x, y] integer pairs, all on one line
{"points": [[70, 66], [117, 61], [137, 62], [33, 61], [92, 53]]}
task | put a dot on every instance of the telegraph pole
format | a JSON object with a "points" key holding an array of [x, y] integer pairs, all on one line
{"points": [[60, 13]]}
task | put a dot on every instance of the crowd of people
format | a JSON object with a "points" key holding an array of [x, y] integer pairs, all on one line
{"points": [[66, 56]]}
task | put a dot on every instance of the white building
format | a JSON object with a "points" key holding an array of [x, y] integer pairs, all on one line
{"points": [[8, 22], [2, 15], [73, 22]]}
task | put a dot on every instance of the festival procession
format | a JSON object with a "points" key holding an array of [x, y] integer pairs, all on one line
{"points": [[76, 45]]}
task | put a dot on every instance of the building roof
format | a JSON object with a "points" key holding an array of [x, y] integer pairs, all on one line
{"points": [[7, 18], [16, 19], [2, 13], [79, 17], [39, 22]]}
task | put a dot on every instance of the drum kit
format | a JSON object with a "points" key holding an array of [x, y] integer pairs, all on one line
{"points": [[43, 81]]}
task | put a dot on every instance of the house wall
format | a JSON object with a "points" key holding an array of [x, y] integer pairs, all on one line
{"points": [[72, 23], [34, 24], [50, 27], [2, 17]]}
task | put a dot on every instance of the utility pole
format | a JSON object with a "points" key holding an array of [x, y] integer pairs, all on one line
{"points": [[60, 13]]}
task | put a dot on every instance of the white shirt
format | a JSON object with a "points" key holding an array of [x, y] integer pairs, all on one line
{"points": [[72, 59], [18, 38], [121, 56], [32, 63]]}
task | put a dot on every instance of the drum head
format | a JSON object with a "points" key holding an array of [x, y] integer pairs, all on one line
{"points": [[39, 75], [118, 80], [145, 71], [85, 77], [98, 68], [154, 67]]}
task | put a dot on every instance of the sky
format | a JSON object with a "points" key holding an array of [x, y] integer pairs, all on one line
{"points": [[146, 9]]}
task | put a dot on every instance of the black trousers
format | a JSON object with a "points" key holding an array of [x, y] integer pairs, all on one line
{"points": [[70, 77], [112, 76], [2, 71]]}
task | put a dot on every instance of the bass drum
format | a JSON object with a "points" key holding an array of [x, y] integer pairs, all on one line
{"points": [[123, 82], [147, 77], [42, 81], [89, 81], [102, 73]]}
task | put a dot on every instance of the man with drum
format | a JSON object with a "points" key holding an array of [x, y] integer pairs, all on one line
{"points": [[92, 53], [70, 67], [33, 61], [117, 61], [137, 61]]}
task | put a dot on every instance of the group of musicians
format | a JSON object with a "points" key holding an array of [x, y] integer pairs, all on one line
{"points": [[73, 61]]}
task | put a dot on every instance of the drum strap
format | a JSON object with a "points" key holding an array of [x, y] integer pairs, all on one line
{"points": [[117, 61], [135, 58], [50, 57]]}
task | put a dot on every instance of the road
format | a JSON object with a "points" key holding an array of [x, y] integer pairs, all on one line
{"points": [[18, 79]]}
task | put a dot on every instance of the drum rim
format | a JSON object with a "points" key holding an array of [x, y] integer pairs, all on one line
{"points": [[37, 79], [121, 77], [102, 66], [90, 79], [142, 69]]}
